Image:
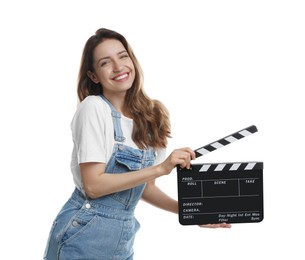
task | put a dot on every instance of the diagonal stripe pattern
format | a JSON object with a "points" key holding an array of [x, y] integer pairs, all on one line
{"points": [[230, 167], [225, 141]]}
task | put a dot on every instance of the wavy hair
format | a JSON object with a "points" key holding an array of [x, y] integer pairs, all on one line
{"points": [[151, 118]]}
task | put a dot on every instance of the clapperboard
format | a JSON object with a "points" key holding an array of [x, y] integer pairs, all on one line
{"points": [[212, 193]]}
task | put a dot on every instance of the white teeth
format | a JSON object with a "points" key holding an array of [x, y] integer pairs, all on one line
{"points": [[121, 77]]}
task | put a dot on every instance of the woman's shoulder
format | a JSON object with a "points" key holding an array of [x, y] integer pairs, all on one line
{"points": [[93, 103], [92, 107], [92, 100]]}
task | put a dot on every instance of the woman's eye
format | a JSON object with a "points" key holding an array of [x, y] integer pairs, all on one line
{"points": [[104, 63], [124, 56]]}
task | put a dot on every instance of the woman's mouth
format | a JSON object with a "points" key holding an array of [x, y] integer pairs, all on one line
{"points": [[121, 77]]}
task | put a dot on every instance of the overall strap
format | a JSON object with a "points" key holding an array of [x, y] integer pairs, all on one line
{"points": [[116, 116]]}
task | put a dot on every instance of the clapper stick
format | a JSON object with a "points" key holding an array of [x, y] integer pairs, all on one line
{"points": [[225, 141]]}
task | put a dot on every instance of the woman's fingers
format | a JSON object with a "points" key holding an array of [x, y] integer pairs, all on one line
{"points": [[183, 157], [219, 225]]}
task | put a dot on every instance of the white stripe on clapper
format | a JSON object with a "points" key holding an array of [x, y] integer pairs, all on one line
{"points": [[231, 139], [203, 151], [250, 166], [217, 145], [220, 167], [235, 166], [205, 167], [244, 132]]}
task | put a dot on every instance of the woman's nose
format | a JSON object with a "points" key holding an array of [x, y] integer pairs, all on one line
{"points": [[117, 66]]}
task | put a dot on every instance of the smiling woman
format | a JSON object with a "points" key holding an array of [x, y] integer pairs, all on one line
{"points": [[112, 68], [119, 136]]}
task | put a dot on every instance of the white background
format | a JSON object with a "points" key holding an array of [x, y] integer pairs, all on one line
{"points": [[219, 66]]}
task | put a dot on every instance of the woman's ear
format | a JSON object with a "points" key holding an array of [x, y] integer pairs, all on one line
{"points": [[92, 76]]}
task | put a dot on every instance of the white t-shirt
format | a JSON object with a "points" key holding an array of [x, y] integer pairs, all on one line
{"points": [[93, 135]]}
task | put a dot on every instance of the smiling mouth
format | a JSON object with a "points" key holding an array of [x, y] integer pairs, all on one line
{"points": [[120, 77]]}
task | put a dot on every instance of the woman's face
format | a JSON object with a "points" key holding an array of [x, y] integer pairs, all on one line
{"points": [[113, 68]]}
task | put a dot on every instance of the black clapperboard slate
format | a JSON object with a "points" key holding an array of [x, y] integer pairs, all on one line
{"points": [[213, 193]]}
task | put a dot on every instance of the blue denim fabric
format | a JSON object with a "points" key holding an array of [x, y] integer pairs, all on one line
{"points": [[116, 116], [103, 228]]}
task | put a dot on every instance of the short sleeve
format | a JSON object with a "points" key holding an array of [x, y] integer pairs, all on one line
{"points": [[88, 132]]}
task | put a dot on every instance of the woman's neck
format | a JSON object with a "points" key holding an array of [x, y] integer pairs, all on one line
{"points": [[118, 101]]}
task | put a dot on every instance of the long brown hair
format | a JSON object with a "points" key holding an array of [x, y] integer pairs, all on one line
{"points": [[151, 118]]}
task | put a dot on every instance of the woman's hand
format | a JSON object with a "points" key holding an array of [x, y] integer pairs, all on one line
{"points": [[180, 157], [219, 225]]}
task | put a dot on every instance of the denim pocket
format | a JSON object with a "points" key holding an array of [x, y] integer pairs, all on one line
{"points": [[78, 224], [99, 238], [129, 161]]}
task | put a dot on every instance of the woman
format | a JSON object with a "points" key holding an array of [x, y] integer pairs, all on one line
{"points": [[119, 136]]}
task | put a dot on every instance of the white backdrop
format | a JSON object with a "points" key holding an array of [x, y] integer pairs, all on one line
{"points": [[218, 66]]}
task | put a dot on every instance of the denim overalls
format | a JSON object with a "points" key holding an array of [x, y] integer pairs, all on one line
{"points": [[103, 228]]}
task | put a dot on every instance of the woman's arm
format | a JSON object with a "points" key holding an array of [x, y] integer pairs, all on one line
{"points": [[156, 197], [97, 183], [153, 195]]}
